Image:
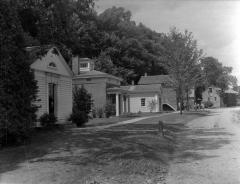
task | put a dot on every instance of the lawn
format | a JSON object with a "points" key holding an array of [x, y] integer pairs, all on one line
{"points": [[133, 153], [112, 120]]}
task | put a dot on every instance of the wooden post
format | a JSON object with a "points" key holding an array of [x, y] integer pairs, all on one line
{"points": [[117, 104], [160, 127]]}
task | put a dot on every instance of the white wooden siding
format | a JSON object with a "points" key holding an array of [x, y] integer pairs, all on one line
{"points": [[64, 94], [135, 102]]}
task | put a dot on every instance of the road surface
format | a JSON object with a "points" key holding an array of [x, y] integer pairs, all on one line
{"points": [[208, 150]]}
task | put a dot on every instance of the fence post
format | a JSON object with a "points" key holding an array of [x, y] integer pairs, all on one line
{"points": [[160, 127]]}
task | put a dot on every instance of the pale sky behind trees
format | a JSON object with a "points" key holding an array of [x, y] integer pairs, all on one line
{"points": [[215, 23]]}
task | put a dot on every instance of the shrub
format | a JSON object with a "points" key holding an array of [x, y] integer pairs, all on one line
{"points": [[82, 103], [48, 120], [110, 110], [130, 115], [79, 118], [100, 112], [82, 100], [208, 104]]}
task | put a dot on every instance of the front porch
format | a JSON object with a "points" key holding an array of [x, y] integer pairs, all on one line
{"points": [[120, 99]]}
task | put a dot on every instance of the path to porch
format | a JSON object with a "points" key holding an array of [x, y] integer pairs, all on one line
{"points": [[125, 122]]}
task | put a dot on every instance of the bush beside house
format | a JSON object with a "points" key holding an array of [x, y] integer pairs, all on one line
{"points": [[110, 110], [82, 104], [207, 104], [48, 120]]}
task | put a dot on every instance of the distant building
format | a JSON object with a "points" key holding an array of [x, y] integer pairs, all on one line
{"points": [[169, 96], [212, 94], [230, 98], [54, 81], [238, 95]]}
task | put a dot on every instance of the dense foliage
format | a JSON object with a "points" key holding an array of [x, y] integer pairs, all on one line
{"points": [[48, 120], [82, 104], [181, 57], [120, 46], [110, 110], [216, 74], [17, 85]]}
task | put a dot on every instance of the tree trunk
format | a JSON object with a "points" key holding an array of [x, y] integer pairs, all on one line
{"points": [[181, 104], [187, 101]]}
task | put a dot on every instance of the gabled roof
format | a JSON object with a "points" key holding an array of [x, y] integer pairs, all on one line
{"points": [[42, 53], [155, 79], [230, 91], [95, 74], [214, 87], [155, 88]]}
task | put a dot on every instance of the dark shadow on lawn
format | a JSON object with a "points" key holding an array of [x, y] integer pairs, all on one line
{"points": [[105, 146], [40, 145], [85, 147]]}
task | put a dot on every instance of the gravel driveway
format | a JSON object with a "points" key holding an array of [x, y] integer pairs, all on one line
{"points": [[208, 150]]}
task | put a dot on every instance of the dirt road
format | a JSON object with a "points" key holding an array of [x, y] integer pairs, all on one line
{"points": [[208, 150]]}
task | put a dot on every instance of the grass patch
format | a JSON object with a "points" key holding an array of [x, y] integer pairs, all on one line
{"points": [[66, 155]]}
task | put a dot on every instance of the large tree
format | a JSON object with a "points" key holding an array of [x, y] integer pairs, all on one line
{"points": [[133, 47], [216, 74], [17, 85], [181, 58], [64, 23]]}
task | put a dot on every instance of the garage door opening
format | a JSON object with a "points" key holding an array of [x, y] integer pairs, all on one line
{"points": [[167, 107]]}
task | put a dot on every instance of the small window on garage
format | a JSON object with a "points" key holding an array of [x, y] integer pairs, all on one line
{"points": [[143, 102]]}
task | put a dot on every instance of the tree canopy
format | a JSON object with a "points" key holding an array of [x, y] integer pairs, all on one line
{"points": [[181, 59], [111, 37], [17, 85], [216, 74]]}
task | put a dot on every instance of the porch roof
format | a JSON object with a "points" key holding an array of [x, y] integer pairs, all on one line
{"points": [[116, 90]]}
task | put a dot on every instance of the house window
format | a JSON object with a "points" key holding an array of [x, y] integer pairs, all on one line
{"points": [[143, 100], [83, 65], [88, 79], [208, 98], [210, 90], [215, 98], [52, 64]]}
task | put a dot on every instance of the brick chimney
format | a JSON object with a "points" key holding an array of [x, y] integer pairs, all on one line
{"points": [[75, 65]]}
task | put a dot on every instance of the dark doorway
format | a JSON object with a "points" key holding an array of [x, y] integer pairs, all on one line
{"points": [[167, 107], [51, 98]]}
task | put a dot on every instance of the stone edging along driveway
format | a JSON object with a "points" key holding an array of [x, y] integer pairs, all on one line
{"points": [[123, 122]]}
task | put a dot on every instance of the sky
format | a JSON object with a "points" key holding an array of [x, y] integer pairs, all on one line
{"points": [[215, 24]]}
